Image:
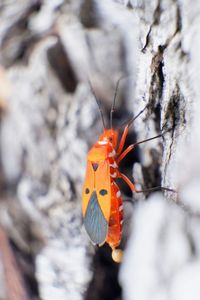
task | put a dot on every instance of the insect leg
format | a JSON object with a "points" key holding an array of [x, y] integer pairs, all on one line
{"points": [[156, 188], [123, 139], [127, 150], [124, 135], [133, 188], [128, 182]]}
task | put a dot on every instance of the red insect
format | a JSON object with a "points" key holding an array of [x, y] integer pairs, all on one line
{"points": [[102, 201]]}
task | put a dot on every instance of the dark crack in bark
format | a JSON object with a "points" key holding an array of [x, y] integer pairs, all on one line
{"points": [[175, 112], [157, 78], [61, 66], [88, 15], [147, 40], [151, 174], [157, 14], [18, 37], [156, 21], [105, 283], [174, 116]]}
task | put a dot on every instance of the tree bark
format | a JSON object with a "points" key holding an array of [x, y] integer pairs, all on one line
{"points": [[49, 50]]}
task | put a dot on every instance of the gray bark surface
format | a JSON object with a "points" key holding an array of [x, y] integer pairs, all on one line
{"points": [[49, 119]]}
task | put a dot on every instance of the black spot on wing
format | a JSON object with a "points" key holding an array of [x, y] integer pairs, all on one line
{"points": [[103, 192], [95, 222], [87, 191]]}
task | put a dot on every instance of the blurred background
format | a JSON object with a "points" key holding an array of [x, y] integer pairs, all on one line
{"points": [[49, 119]]}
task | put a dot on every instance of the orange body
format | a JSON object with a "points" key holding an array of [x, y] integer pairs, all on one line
{"points": [[102, 201], [102, 170], [116, 217]]}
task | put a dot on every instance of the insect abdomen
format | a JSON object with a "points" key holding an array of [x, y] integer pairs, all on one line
{"points": [[116, 217]]}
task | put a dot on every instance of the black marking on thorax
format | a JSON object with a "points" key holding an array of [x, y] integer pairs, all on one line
{"points": [[95, 166]]}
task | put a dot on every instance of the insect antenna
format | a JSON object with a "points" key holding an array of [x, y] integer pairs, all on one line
{"points": [[130, 122], [132, 119], [99, 105], [114, 100]]}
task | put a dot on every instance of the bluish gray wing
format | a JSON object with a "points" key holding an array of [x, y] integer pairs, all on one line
{"points": [[95, 222]]}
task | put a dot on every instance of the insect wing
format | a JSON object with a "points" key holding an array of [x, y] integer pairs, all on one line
{"points": [[88, 187], [103, 187], [95, 222], [95, 196]]}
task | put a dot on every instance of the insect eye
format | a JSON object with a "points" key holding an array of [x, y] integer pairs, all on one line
{"points": [[103, 192], [87, 191]]}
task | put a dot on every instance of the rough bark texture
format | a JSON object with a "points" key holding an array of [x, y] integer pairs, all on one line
{"points": [[49, 119]]}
